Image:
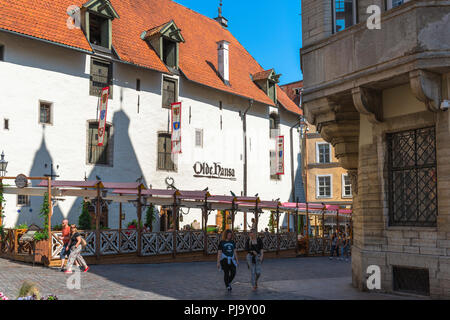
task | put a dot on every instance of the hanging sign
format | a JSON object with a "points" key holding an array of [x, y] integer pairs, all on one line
{"points": [[176, 127], [280, 155], [102, 118], [21, 181]]}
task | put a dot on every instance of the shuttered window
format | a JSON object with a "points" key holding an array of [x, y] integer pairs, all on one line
{"points": [[98, 154], [169, 92], [101, 76], [164, 152]]}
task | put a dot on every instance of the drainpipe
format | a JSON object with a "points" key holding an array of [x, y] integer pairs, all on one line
{"points": [[291, 136], [244, 127]]}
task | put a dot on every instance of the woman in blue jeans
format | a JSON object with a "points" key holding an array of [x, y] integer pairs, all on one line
{"points": [[345, 247], [334, 246]]}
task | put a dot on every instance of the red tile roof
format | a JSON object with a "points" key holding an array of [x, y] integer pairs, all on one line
{"points": [[47, 20], [263, 75]]}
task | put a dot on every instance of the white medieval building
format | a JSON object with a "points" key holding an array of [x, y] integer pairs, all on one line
{"points": [[151, 53]]}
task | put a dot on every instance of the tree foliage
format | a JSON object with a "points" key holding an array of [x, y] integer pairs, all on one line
{"points": [[84, 220]]}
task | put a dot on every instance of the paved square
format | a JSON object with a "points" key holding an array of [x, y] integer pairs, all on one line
{"points": [[296, 278]]}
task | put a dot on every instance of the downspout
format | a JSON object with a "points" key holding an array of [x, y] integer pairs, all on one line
{"points": [[244, 131]]}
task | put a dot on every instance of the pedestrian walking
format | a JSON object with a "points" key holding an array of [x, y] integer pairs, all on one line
{"points": [[65, 238], [255, 257], [227, 258], [75, 246], [345, 247], [334, 246]]}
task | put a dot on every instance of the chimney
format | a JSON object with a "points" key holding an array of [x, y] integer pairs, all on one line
{"points": [[224, 64], [221, 20]]}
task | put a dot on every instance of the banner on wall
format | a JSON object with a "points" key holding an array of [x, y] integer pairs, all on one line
{"points": [[176, 127], [280, 155], [102, 118]]}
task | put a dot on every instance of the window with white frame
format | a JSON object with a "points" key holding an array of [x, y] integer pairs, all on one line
{"points": [[346, 186], [323, 152], [344, 14], [199, 138], [323, 186]]}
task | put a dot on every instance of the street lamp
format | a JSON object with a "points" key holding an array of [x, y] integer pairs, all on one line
{"points": [[3, 165]]}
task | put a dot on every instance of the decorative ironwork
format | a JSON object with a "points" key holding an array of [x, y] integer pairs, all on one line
{"points": [[412, 178], [411, 280]]}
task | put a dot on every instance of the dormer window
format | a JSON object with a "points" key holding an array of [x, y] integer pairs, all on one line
{"points": [[97, 17], [267, 81], [165, 40], [98, 30]]}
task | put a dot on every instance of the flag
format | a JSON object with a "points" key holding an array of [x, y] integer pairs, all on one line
{"points": [[103, 113], [176, 127], [280, 155]]}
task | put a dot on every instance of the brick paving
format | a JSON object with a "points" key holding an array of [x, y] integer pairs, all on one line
{"points": [[295, 278]]}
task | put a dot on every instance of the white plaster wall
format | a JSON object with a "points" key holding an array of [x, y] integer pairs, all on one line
{"points": [[34, 71]]}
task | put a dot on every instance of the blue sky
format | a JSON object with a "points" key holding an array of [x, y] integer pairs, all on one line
{"points": [[270, 30]]}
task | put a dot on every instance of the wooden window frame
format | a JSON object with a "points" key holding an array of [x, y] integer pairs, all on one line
{"points": [[109, 147], [170, 79], [109, 81], [50, 105], [165, 167]]}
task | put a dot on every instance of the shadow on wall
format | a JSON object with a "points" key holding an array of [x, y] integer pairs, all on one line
{"points": [[125, 168], [299, 188], [30, 214]]}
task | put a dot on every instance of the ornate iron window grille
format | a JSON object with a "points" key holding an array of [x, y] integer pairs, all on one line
{"points": [[412, 178]]}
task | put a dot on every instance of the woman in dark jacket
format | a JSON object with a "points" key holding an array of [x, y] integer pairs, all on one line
{"points": [[255, 256]]}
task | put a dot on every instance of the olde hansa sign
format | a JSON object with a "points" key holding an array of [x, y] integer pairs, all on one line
{"points": [[214, 171]]}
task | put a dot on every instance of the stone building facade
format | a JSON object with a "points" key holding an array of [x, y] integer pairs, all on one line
{"points": [[377, 95]]}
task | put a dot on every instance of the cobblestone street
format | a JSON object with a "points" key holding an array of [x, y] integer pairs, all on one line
{"points": [[300, 278]]}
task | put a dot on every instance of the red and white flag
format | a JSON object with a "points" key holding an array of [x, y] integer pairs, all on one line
{"points": [[102, 118], [280, 155], [176, 127]]}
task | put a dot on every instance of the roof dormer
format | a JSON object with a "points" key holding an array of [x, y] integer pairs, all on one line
{"points": [[165, 40], [267, 80], [97, 17]]}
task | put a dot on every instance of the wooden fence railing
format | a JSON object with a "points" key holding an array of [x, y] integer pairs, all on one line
{"points": [[160, 243]]}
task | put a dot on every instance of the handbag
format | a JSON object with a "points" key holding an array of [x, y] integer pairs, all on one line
{"points": [[83, 243]]}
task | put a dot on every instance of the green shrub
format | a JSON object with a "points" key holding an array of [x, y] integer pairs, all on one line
{"points": [[22, 226], [150, 216], [84, 220]]}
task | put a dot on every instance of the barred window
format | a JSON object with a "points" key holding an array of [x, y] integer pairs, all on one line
{"points": [[165, 152], [23, 200], [45, 110], [169, 94], [412, 178], [98, 154], [101, 77]]}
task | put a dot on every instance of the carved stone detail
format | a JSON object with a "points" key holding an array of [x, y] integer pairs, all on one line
{"points": [[368, 102], [353, 175], [427, 87]]}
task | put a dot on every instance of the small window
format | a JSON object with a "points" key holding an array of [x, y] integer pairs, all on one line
{"points": [[138, 84], [165, 152], [98, 30], [101, 77], [274, 125], [346, 186], [323, 187], [45, 113], [2, 52], [323, 153], [273, 166], [199, 138], [6, 124], [99, 155], [170, 53], [344, 14], [23, 200], [169, 92]]}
